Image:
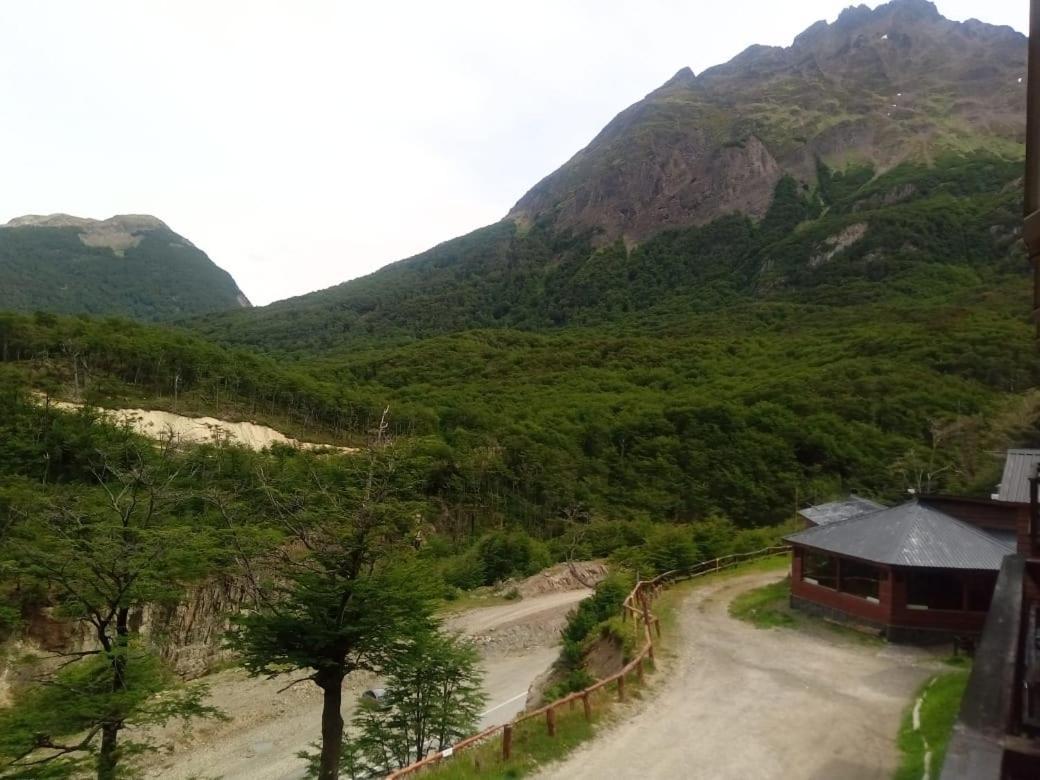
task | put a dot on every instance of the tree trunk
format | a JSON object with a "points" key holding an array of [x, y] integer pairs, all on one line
{"points": [[108, 756], [331, 684]]}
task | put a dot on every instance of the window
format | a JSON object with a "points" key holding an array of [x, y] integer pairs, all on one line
{"points": [[933, 590], [979, 589], [860, 579], [820, 569]]}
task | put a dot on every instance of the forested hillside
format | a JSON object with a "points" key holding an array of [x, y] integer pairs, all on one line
{"points": [[133, 266], [855, 237]]}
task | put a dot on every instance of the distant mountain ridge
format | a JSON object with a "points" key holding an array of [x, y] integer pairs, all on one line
{"points": [[132, 265], [899, 82]]}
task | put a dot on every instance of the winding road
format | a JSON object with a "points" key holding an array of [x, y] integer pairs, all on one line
{"points": [[745, 703], [266, 729]]}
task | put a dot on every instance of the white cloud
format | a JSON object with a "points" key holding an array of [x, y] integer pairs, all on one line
{"points": [[304, 144]]}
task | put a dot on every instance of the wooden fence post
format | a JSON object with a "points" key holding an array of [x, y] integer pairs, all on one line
{"points": [[507, 741], [621, 688], [639, 671], [587, 706], [647, 618], [550, 721]]}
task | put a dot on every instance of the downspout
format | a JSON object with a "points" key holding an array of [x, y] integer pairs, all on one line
{"points": [[1031, 230]]}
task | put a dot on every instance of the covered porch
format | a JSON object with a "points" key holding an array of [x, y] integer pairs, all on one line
{"points": [[912, 571], [900, 601]]}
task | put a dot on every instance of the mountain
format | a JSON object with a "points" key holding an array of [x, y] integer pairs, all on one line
{"points": [[777, 172], [875, 87], [130, 265], [863, 326]]}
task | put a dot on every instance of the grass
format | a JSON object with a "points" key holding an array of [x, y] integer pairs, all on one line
{"points": [[769, 607], [942, 698], [764, 607], [474, 599], [533, 748]]}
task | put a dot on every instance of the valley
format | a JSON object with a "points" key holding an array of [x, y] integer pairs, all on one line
{"points": [[795, 277]]}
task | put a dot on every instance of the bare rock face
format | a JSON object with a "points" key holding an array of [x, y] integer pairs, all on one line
{"points": [[50, 220], [188, 635], [119, 233], [839, 242], [877, 86]]}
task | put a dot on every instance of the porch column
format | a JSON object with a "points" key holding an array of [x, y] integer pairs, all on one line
{"points": [[895, 584]]}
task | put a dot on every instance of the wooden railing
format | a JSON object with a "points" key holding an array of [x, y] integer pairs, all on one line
{"points": [[636, 608]]}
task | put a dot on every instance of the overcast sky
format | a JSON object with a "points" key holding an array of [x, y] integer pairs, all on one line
{"points": [[305, 143]]}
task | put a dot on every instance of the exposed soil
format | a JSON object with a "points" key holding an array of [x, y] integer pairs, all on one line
{"points": [[741, 702], [563, 576], [155, 423]]}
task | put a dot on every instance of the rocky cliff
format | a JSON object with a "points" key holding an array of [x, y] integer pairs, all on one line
{"points": [[877, 86]]}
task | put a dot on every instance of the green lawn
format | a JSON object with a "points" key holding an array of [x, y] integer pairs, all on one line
{"points": [[769, 607], [765, 607], [942, 700]]}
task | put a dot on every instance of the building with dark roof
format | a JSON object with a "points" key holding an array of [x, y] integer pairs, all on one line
{"points": [[924, 569], [1019, 467], [833, 511]]}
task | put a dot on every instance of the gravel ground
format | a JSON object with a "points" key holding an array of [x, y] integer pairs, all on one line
{"points": [[519, 640], [747, 703]]}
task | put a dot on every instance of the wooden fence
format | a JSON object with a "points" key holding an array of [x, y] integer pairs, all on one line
{"points": [[636, 607]]}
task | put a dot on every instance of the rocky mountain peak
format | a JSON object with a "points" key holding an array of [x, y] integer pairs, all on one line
{"points": [[117, 233], [684, 77], [876, 86]]}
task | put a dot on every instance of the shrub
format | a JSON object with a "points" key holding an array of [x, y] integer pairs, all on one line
{"points": [[601, 605], [668, 547], [508, 554], [465, 571]]}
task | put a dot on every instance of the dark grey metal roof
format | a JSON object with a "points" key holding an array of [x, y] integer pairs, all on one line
{"points": [[832, 512], [1019, 466], [910, 534]]}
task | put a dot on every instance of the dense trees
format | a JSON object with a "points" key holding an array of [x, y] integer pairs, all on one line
{"points": [[100, 555], [730, 369]]}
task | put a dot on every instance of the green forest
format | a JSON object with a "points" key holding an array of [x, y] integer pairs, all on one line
{"points": [[161, 277], [714, 372]]}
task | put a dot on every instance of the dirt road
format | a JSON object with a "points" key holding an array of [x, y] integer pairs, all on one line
{"points": [[749, 703], [519, 640]]}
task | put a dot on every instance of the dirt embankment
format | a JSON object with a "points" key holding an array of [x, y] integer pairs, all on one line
{"points": [[155, 423]]}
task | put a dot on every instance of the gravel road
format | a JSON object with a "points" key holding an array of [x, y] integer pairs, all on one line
{"points": [[519, 641], [750, 703]]}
